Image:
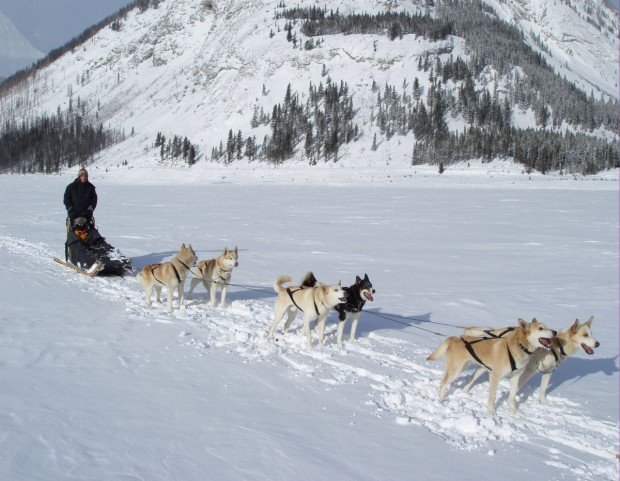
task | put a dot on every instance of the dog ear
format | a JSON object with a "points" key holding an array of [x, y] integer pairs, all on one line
{"points": [[589, 321], [366, 278], [235, 249], [225, 250], [575, 327], [358, 280], [183, 246], [522, 322]]}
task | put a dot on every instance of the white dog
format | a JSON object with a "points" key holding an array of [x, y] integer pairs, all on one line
{"points": [[315, 303]]}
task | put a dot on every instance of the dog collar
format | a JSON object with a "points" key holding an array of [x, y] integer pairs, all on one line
{"points": [[524, 349]]}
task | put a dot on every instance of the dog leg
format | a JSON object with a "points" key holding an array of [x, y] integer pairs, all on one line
{"points": [[169, 300], [355, 316], [514, 387], [479, 372], [158, 294], [494, 380], [321, 328], [292, 313], [148, 291], [223, 295], [212, 292], [340, 331], [278, 314], [453, 369], [194, 282], [180, 289], [544, 383], [307, 329]]}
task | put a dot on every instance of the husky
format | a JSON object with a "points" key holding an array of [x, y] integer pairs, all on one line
{"points": [[215, 273], [170, 274], [545, 361], [357, 295], [501, 356], [312, 298]]}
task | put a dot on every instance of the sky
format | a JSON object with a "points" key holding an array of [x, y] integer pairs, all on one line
{"points": [[48, 24]]}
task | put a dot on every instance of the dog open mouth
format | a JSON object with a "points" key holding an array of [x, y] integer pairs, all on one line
{"points": [[545, 342], [368, 296], [588, 349]]}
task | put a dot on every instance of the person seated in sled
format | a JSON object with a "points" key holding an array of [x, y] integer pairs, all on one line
{"points": [[85, 246]]}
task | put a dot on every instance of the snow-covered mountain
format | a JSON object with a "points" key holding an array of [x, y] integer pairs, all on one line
{"points": [[15, 51], [579, 38], [200, 68]]}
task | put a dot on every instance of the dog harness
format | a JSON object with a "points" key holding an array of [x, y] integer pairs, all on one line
{"points": [[176, 272], [155, 266], [472, 352], [222, 278], [558, 359], [489, 332], [290, 294]]}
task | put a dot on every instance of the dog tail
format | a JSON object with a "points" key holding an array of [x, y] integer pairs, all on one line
{"points": [[439, 352], [477, 331], [277, 284], [309, 280]]}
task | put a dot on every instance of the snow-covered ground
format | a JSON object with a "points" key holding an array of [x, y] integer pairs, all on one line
{"points": [[97, 386]]}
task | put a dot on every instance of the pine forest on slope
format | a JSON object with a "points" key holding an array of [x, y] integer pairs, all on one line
{"points": [[500, 74]]}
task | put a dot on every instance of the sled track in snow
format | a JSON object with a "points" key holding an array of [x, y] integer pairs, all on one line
{"points": [[401, 385]]}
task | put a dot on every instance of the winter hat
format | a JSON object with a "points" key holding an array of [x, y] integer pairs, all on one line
{"points": [[82, 171], [80, 222]]}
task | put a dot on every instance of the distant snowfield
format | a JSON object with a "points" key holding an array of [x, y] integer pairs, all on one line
{"points": [[97, 386]]}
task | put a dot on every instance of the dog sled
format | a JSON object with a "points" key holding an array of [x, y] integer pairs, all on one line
{"points": [[88, 253]]}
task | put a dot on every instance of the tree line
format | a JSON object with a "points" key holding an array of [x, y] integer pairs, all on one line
{"points": [[318, 21], [49, 143], [176, 148], [323, 124]]}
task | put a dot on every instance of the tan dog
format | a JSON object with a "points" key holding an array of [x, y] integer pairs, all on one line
{"points": [[502, 356], [314, 301], [215, 273], [545, 361], [170, 274]]}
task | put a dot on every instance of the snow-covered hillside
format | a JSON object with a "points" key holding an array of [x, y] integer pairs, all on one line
{"points": [[198, 69], [15, 51], [566, 34]]}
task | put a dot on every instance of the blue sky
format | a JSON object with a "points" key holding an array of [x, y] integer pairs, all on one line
{"points": [[48, 24]]}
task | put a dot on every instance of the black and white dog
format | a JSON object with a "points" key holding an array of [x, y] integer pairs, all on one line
{"points": [[357, 295]]}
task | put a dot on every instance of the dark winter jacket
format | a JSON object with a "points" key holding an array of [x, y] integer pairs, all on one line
{"points": [[85, 253], [80, 199]]}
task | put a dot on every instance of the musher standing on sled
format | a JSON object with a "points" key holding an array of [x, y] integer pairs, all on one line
{"points": [[80, 198], [85, 246]]}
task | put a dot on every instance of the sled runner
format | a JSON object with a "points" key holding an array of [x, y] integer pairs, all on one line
{"points": [[92, 272]]}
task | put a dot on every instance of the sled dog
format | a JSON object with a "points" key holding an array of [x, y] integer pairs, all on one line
{"points": [[545, 361], [501, 356], [215, 273], [357, 295], [170, 274], [314, 300]]}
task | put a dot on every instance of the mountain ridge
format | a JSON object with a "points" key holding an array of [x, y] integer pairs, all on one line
{"points": [[200, 68]]}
